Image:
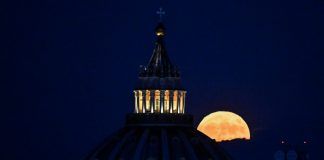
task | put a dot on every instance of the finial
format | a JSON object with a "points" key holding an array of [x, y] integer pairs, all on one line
{"points": [[160, 12], [160, 30]]}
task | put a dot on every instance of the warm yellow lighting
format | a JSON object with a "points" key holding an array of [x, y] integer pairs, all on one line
{"points": [[160, 33], [175, 102], [140, 105], [136, 102], [166, 101], [223, 126], [181, 102], [148, 100], [157, 101]]}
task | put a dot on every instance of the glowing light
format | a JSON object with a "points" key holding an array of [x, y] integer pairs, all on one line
{"points": [[140, 96], [136, 102], [175, 102], [166, 101], [160, 33], [148, 100], [157, 101], [181, 103], [223, 126]]}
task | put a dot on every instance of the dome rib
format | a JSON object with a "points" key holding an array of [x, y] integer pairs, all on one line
{"points": [[190, 150], [140, 146], [208, 147], [159, 142], [165, 145], [119, 145]]}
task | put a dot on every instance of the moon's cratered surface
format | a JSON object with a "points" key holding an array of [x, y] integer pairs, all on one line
{"points": [[224, 126]]}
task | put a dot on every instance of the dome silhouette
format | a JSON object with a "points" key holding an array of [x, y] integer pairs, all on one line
{"points": [[159, 128], [161, 137]]}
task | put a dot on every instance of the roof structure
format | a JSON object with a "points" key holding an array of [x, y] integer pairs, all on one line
{"points": [[155, 137], [159, 73], [159, 128], [159, 65]]}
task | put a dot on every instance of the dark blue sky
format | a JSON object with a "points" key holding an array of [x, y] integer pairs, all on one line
{"points": [[70, 67]]}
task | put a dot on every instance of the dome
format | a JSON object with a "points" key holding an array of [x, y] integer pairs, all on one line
{"points": [[159, 136], [159, 128]]}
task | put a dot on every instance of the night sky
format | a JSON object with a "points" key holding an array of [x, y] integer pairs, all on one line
{"points": [[70, 67]]}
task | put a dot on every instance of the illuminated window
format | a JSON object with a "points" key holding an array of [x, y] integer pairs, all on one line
{"points": [[181, 102], [148, 100], [136, 101], [157, 101], [140, 107], [175, 102], [166, 101], [184, 101]]}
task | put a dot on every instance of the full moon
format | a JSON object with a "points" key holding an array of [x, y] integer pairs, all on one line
{"points": [[224, 126]]}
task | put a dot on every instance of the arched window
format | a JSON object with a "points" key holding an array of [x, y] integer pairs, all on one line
{"points": [[181, 101], [140, 105], [148, 100], [157, 101], [175, 102], [166, 101], [136, 101]]}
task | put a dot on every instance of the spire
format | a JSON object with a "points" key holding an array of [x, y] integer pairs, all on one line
{"points": [[159, 65], [159, 89]]}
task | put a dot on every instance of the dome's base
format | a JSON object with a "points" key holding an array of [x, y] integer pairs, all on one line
{"points": [[156, 119], [159, 137]]}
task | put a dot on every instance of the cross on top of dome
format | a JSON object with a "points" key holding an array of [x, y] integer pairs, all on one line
{"points": [[160, 12]]}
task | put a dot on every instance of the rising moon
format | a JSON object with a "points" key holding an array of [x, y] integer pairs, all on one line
{"points": [[224, 126]]}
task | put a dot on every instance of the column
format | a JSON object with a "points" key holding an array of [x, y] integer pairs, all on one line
{"points": [[162, 101], [157, 101], [171, 101], [140, 101], [175, 102], [152, 101], [148, 101], [184, 101], [166, 101], [178, 102], [144, 101], [136, 101], [181, 102]]}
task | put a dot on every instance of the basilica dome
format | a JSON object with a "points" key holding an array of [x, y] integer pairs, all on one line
{"points": [[159, 128], [159, 136]]}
